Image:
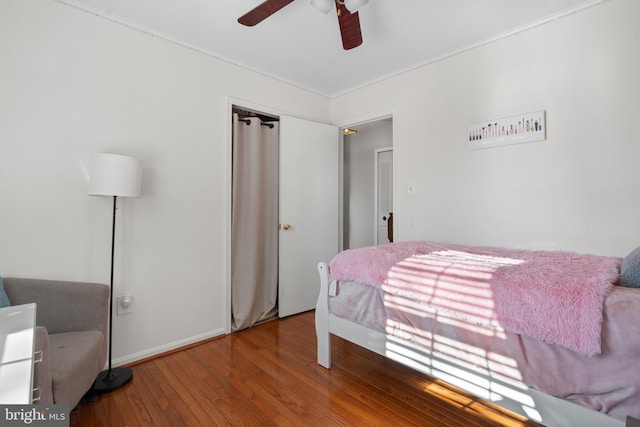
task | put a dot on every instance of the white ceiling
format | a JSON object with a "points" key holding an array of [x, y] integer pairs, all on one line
{"points": [[302, 46]]}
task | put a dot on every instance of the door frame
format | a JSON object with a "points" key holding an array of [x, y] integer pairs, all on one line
{"points": [[376, 188], [355, 122], [230, 103]]}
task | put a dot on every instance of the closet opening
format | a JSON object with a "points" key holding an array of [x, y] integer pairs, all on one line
{"points": [[254, 217]]}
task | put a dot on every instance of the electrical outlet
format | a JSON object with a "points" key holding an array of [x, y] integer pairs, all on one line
{"points": [[124, 304], [411, 189]]}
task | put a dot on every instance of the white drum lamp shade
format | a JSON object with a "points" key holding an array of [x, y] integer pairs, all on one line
{"points": [[115, 175]]}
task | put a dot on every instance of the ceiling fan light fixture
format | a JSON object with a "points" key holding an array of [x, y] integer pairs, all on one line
{"points": [[323, 6], [353, 5]]}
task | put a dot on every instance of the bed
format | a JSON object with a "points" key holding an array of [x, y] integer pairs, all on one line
{"points": [[549, 335]]}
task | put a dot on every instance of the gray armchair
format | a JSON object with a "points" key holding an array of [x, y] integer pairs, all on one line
{"points": [[72, 321]]}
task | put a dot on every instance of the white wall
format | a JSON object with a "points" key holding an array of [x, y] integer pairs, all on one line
{"points": [[72, 84], [578, 190], [359, 177]]}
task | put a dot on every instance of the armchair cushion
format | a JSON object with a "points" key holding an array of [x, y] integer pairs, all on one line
{"points": [[74, 355]]}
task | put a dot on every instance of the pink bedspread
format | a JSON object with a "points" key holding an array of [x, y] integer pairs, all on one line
{"points": [[609, 383], [556, 297]]}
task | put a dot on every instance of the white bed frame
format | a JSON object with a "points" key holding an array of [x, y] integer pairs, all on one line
{"points": [[533, 404]]}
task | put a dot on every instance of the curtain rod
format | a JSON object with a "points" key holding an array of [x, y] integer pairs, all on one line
{"points": [[243, 112], [248, 122]]}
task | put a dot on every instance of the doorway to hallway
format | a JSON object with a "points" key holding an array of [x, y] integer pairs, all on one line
{"points": [[367, 185]]}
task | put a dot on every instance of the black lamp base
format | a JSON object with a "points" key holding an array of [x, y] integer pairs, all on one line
{"points": [[112, 380]]}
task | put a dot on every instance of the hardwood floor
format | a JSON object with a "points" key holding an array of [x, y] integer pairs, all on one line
{"points": [[268, 376]]}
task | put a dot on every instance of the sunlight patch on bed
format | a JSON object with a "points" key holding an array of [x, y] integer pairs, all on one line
{"points": [[414, 308], [409, 306], [494, 331], [458, 282], [453, 289]]}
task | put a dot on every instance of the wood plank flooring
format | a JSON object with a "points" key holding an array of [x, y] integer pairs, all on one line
{"points": [[268, 376]]}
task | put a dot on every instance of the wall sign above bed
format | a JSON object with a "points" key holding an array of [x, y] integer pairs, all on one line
{"points": [[527, 127]]}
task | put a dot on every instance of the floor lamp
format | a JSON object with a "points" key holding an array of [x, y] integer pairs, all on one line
{"points": [[116, 176]]}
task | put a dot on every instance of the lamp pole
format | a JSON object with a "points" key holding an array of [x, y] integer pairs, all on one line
{"points": [[112, 379]]}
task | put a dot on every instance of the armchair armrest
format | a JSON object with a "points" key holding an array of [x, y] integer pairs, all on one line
{"points": [[63, 306]]}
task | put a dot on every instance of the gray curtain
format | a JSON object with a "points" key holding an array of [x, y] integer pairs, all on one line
{"points": [[254, 222]]}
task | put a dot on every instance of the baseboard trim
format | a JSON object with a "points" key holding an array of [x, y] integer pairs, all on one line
{"points": [[167, 348]]}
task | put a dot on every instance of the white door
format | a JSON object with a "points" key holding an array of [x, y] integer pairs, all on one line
{"points": [[383, 194], [309, 161]]}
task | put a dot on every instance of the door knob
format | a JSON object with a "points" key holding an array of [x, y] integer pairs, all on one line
{"points": [[286, 226]]}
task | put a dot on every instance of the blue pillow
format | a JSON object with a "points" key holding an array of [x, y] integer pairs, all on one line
{"points": [[4, 299], [630, 269]]}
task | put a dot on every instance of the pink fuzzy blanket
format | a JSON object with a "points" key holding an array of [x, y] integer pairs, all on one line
{"points": [[553, 296]]}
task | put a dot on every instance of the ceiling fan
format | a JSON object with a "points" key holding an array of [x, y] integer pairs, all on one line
{"points": [[347, 11]]}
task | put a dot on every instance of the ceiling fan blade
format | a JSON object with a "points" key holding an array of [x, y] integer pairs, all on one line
{"points": [[262, 12], [349, 27]]}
